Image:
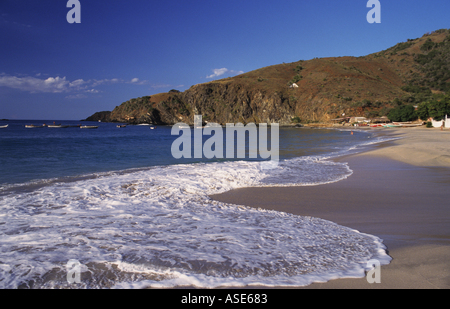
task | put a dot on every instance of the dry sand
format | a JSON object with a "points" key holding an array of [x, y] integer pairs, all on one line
{"points": [[419, 147], [399, 192]]}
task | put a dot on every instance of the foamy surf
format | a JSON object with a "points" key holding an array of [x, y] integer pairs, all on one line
{"points": [[157, 227]]}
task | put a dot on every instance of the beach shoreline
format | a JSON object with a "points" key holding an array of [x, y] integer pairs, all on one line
{"points": [[397, 192]]}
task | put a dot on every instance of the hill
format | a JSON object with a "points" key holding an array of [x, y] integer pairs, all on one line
{"points": [[316, 90]]}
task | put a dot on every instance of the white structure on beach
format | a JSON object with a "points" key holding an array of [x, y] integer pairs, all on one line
{"points": [[438, 124], [358, 119]]}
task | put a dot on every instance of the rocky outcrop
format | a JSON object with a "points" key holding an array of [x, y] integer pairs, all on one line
{"points": [[165, 108], [234, 102], [100, 116]]}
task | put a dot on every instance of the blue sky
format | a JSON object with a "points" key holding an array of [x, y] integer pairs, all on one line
{"points": [[53, 70]]}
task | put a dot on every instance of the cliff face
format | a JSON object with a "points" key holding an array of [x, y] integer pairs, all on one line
{"points": [[317, 90], [164, 108], [102, 116], [231, 102]]}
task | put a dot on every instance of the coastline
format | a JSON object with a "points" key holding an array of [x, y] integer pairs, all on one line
{"points": [[420, 146], [398, 192]]}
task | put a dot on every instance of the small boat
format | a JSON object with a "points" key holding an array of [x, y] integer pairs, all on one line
{"points": [[57, 126], [392, 125], [32, 126], [152, 128], [88, 127], [4, 127], [412, 125], [122, 126], [409, 124], [182, 126]]}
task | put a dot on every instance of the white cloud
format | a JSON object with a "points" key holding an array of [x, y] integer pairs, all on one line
{"points": [[218, 72], [222, 71], [77, 83], [137, 81], [97, 82], [157, 86], [35, 84]]}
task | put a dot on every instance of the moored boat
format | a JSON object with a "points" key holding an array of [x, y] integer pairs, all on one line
{"points": [[88, 127], [122, 126], [32, 126], [390, 125], [412, 125], [57, 126], [182, 126], [409, 124], [4, 127]]}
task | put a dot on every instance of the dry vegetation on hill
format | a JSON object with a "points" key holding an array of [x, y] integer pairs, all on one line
{"points": [[405, 74]]}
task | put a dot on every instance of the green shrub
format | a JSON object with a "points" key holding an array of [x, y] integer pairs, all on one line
{"points": [[428, 45], [422, 111], [403, 113], [435, 108], [298, 68], [435, 65], [296, 79]]}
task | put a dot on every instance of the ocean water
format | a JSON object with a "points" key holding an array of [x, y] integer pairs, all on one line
{"points": [[132, 216]]}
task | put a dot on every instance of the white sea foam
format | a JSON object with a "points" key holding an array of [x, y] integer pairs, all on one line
{"points": [[158, 227]]}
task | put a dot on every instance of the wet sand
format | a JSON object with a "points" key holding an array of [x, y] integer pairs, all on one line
{"points": [[398, 191]]}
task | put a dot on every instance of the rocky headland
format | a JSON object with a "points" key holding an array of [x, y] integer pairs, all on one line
{"points": [[308, 92]]}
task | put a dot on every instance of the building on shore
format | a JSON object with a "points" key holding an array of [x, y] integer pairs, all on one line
{"points": [[438, 124]]}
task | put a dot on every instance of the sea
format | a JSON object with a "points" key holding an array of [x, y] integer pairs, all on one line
{"points": [[112, 208]]}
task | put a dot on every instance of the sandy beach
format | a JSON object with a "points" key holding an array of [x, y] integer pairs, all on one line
{"points": [[398, 191]]}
